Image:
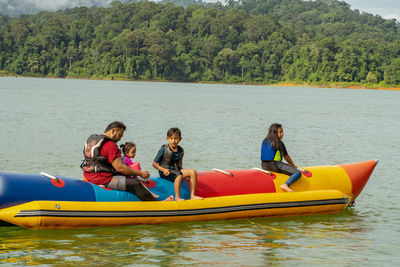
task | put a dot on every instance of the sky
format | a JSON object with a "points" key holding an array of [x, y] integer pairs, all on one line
{"points": [[388, 9]]}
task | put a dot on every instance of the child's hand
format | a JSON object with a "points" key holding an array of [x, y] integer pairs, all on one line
{"points": [[166, 172], [145, 174]]}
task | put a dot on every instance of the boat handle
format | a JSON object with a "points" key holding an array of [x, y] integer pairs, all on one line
{"points": [[50, 176], [303, 170], [224, 172], [143, 180], [261, 170]]}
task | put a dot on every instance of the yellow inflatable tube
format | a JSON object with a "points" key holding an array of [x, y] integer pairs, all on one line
{"points": [[67, 214]]}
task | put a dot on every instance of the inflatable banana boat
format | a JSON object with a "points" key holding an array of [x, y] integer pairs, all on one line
{"points": [[46, 202]]}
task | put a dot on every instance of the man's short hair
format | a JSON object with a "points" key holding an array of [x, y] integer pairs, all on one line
{"points": [[115, 124]]}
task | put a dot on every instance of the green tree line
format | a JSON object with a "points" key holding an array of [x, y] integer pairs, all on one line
{"points": [[247, 41]]}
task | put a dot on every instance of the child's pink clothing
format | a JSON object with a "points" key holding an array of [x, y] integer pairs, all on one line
{"points": [[127, 160], [133, 165]]}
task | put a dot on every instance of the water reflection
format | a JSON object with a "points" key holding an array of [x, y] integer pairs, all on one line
{"points": [[253, 242]]}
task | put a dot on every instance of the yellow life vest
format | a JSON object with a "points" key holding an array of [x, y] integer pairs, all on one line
{"points": [[278, 156]]}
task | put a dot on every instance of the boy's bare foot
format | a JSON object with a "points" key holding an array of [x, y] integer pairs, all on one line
{"points": [[179, 199], [196, 197], [170, 198], [286, 188]]}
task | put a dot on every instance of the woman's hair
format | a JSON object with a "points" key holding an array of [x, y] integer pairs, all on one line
{"points": [[273, 135], [174, 131], [126, 147]]}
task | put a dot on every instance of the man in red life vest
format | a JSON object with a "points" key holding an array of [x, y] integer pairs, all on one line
{"points": [[103, 164]]}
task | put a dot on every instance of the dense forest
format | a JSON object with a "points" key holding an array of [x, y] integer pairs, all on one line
{"points": [[245, 41]]}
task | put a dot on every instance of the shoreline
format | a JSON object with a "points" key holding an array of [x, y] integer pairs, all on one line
{"points": [[342, 85], [339, 85]]}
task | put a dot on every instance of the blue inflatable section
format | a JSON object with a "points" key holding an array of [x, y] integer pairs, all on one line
{"points": [[21, 188], [162, 187], [106, 195]]}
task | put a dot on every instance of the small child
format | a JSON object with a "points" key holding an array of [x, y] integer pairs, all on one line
{"points": [[168, 162], [129, 150]]}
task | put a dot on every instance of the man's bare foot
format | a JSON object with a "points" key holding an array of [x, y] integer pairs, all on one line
{"points": [[196, 197], [286, 188], [154, 195], [170, 198], [179, 199]]}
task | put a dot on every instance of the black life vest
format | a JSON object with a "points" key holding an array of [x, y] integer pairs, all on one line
{"points": [[167, 159], [94, 161]]}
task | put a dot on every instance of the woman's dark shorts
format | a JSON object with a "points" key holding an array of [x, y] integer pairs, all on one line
{"points": [[278, 166]]}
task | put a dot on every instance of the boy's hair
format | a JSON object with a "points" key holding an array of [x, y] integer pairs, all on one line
{"points": [[172, 131], [126, 147], [115, 124]]}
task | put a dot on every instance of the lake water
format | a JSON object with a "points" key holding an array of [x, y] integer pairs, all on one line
{"points": [[44, 123]]}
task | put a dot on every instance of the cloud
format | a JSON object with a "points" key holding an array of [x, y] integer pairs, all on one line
{"points": [[388, 9], [61, 4], [49, 5], [17, 7]]}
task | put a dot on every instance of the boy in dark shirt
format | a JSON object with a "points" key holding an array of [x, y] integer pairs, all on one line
{"points": [[168, 162]]}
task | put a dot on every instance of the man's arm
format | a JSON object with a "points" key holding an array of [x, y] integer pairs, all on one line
{"points": [[119, 166]]}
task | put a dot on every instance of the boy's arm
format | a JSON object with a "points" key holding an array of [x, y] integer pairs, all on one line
{"points": [[158, 159], [161, 169]]}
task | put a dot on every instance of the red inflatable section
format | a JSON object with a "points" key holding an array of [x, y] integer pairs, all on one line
{"points": [[359, 174], [234, 182]]}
